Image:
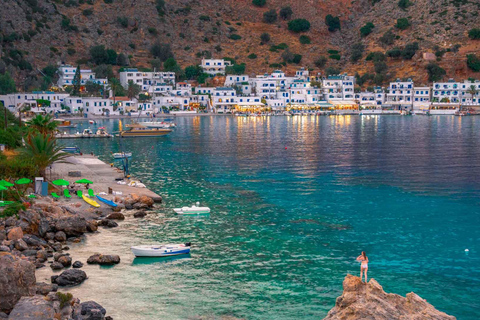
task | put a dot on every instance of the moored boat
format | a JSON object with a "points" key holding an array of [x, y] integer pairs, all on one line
{"points": [[159, 124], [160, 250], [121, 155], [195, 209], [139, 130], [62, 123]]}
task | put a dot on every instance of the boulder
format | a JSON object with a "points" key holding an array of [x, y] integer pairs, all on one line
{"points": [[72, 226], [140, 205], [4, 249], [134, 197], [17, 279], [45, 288], [116, 216], [70, 277], [49, 235], [108, 223], [34, 241], [30, 253], [20, 245], [369, 301], [89, 310], [60, 236], [128, 206], [103, 259], [56, 266], [66, 261], [77, 264], [34, 308], [42, 255], [146, 200], [140, 214], [43, 227], [15, 234], [92, 226]]}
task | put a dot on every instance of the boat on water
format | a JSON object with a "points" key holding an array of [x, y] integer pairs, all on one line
{"points": [[91, 121], [121, 155], [62, 123], [87, 132], [195, 209], [159, 250], [91, 202], [102, 132], [159, 124], [138, 130], [71, 149], [110, 203]]}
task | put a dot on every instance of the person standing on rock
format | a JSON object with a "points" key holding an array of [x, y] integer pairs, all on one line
{"points": [[364, 265]]}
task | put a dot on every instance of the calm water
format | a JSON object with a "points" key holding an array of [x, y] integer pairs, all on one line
{"points": [[294, 201]]}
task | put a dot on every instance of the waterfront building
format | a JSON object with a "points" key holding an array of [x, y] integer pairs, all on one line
{"points": [[204, 90], [301, 91], [339, 87], [223, 99], [33, 101], [470, 92], [159, 89], [145, 79], [240, 83], [214, 66], [97, 106], [174, 103], [66, 75], [400, 95], [447, 92], [302, 73]]}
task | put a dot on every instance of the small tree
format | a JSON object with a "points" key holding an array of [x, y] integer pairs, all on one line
{"points": [[473, 62], [265, 37], [404, 4], [304, 39], [259, 3], [133, 89], [357, 52], [394, 53], [333, 23], [402, 23], [286, 13], [7, 84], [92, 87], [410, 50], [321, 61], [270, 16], [98, 54], [474, 34], [367, 29], [472, 91], [76, 82], [162, 51], [388, 38], [299, 25], [122, 60], [435, 72]]}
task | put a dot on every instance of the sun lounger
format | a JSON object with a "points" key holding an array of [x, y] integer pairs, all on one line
{"points": [[56, 196], [32, 196], [91, 193], [80, 194], [66, 194]]}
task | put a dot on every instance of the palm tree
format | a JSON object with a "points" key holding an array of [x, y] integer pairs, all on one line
{"points": [[42, 124], [473, 91], [42, 151], [133, 89]]}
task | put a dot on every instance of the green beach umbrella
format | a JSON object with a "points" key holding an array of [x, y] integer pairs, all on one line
{"points": [[5, 183], [3, 188], [61, 182], [84, 181], [23, 181]]}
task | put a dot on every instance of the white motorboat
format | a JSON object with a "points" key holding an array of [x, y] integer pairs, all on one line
{"points": [[195, 209], [159, 124], [161, 250], [120, 155]]}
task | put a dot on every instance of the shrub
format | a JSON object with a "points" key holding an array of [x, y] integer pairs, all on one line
{"points": [[402, 24], [320, 61], [64, 298], [394, 53], [132, 45], [204, 18], [123, 21], [270, 16], [332, 22], [108, 1], [205, 39], [66, 25], [160, 6], [71, 51], [299, 25], [218, 48], [367, 29], [252, 56], [380, 67], [357, 52], [410, 50], [473, 62], [12, 210], [265, 37], [234, 36], [122, 60], [304, 39], [435, 72], [275, 65], [335, 56], [235, 69], [404, 4], [87, 12], [162, 51], [297, 58], [474, 34], [375, 56], [232, 29], [282, 46], [388, 38], [331, 71], [259, 3], [286, 13], [152, 30]]}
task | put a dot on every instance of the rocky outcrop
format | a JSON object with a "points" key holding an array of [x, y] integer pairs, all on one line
{"points": [[45, 288], [34, 308], [369, 301], [139, 214], [116, 216], [15, 234], [70, 277], [89, 310], [17, 279], [77, 264], [101, 259], [72, 226]]}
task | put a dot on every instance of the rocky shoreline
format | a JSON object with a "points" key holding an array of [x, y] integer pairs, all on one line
{"points": [[38, 238]]}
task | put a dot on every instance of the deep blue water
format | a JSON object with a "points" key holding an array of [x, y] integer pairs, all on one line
{"points": [[294, 201]]}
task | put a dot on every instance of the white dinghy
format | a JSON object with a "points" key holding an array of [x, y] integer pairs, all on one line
{"points": [[161, 250], [195, 209]]}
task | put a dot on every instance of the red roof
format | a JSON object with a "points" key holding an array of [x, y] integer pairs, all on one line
{"points": [[120, 98]]}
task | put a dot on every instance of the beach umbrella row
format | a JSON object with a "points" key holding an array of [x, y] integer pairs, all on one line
{"points": [[61, 182]]}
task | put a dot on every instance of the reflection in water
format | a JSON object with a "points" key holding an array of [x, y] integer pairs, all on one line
{"points": [[155, 260]]}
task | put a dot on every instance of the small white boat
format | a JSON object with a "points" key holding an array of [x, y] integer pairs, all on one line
{"points": [[161, 250], [195, 209], [159, 124], [91, 121], [120, 155]]}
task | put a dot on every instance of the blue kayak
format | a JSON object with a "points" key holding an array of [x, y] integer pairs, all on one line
{"points": [[110, 203]]}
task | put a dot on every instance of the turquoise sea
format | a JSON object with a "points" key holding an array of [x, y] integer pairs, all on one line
{"points": [[294, 201]]}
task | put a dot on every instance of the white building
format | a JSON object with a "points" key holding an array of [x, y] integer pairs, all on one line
{"points": [[446, 91], [163, 103], [302, 73], [146, 79], [239, 81], [215, 66], [16, 101], [67, 74], [302, 92], [400, 94], [224, 99], [469, 96], [204, 90], [340, 87]]}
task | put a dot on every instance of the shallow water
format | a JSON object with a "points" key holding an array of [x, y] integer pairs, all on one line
{"points": [[294, 201]]}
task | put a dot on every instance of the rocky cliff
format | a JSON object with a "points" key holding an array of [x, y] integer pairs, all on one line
{"points": [[35, 33], [361, 301]]}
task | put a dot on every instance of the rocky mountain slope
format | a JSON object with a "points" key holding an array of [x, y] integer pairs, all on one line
{"points": [[360, 301], [41, 32]]}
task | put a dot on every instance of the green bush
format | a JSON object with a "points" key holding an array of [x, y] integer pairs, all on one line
{"points": [[335, 56], [275, 65], [473, 62], [394, 53], [270, 16], [160, 6], [235, 69], [234, 36], [108, 1], [259, 3], [409, 51], [297, 58], [404, 4], [286, 13], [152, 30], [123, 21], [320, 62], [265, 37], [380, 67], [402, 23], [87, 12], [304, 39], [7, 84], [375, 56], [331, 71], [332, 22], [367, 29], [388, 38], [204, 18], [252, 56], [163, 51], [474, 34], [17, 168], [64, 298], [282, 46], [435, 72], [12, 210], [299, 25], [356, 52]]}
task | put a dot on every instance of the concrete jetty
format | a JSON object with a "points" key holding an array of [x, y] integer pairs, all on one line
{"points": [[101, 174]]}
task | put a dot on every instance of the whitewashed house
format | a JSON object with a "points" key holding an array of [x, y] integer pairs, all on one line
{"points": [[340, 87], [145, 79], [97, 106], [447, 92], [67, 74], [400, 95], [469, 96], [214, 66], [204, 90], [223, 99], [16, 101]]}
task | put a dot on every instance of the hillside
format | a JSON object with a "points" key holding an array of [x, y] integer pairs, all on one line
{"points": [[40, 32]]}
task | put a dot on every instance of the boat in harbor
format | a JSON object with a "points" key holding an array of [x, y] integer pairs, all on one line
{"points": [[122, 155], [159, 124], [160, 250], [62, 123], [102, 132], [87, 132], [138, 130], [195, 209]]}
